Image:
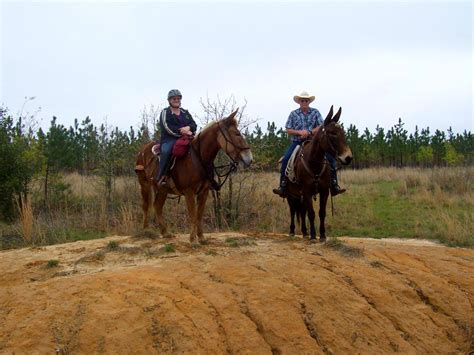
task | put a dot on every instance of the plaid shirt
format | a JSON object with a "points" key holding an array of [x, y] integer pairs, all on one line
{"points": [[299, 121]]}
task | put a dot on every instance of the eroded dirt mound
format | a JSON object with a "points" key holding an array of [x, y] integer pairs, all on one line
{"points": [[237, 294]]}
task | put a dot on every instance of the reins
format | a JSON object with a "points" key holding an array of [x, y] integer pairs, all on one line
{"points": [[317, 176], [232, 166]]}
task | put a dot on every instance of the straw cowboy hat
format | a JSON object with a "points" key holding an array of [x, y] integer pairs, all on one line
{"points": [[303, 95]]}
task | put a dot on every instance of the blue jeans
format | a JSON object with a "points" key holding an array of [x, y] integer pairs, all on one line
{"points": [[166, 149], [332, 163], [287, 157]]}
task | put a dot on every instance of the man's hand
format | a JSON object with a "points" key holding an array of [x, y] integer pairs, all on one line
{"points": [[304, 134]]}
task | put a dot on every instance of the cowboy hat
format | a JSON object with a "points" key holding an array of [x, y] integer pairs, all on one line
{"points": [[303, 95]]}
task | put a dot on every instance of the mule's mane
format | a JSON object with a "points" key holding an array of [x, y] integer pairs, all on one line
{"points": [[206, 127]]}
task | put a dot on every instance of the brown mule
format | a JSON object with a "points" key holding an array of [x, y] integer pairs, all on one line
{"points": [[313, 174], [190, 174]]}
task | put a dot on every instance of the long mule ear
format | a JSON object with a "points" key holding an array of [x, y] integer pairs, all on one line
{"points": [[231, 119], [337, 115], [329, 116]]}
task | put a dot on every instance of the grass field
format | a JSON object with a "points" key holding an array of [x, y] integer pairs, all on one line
{"points": [[434, 204]]}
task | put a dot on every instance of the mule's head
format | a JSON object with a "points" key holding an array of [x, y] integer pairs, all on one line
{"points": [[334, 140], [232, 142]]}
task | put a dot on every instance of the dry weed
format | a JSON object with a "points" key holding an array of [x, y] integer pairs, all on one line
{"points": [[26, 222]]}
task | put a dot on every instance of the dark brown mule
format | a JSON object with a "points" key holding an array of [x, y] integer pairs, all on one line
{"points": [[189, 174], [313, 174]]}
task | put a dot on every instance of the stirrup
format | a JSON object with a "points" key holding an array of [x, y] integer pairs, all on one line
{"points": [[162, 181]]}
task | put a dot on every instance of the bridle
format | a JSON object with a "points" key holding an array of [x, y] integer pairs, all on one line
{"points": [[331, 150], [227, 140], [232, 166]]}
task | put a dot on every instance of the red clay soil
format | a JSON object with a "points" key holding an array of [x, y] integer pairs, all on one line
{"points": [[237, 294]]}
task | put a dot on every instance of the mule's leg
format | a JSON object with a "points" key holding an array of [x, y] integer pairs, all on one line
{"points": [[291, 204], [191, 203], [322, 213], [304, 230], [160, 200], [201, 204], [308, 204], [145, 190]]}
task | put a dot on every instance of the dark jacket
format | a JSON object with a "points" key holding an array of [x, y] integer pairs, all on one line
{"points": [[170, 124]]}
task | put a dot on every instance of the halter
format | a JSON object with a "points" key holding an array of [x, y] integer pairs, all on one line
{"points": [[331, 150], [232, 166], [227, 140], [328, 139]]}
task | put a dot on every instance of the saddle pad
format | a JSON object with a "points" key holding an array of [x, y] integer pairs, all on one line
{"points": [[290, 168]]}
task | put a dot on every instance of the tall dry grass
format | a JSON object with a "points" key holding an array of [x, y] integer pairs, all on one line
{"points": [[27, 226], [424, 203]]}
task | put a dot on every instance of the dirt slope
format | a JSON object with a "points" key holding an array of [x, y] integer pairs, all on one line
{"points": [[249, 294]]}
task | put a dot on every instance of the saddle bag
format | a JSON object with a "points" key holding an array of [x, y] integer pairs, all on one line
{"points": [[181, 147]]}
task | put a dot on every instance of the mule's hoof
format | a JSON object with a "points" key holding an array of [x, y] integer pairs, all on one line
{"points": [[313, 240], [291, 235], [305, 236], [322, 239]]}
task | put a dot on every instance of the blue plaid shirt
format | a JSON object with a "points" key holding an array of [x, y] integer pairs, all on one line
{"points": [[299, 121]]}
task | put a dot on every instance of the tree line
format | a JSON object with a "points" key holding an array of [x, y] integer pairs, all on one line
{"points": [[28, 153], [394, 147]]}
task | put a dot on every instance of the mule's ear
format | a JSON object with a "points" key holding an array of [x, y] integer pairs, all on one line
{"points": [[231, 119], [337, 115], [328, 117]]}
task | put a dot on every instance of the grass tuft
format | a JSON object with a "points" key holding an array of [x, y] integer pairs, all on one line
{"points": [[169, 248], [112, 245], [52, 263], [232, 242]]}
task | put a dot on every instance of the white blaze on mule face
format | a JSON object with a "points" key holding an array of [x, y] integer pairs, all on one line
{"points": [[247, 157]]}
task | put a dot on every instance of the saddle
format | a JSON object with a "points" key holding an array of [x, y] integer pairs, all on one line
{"points": [[180, 148], [290, 168]]}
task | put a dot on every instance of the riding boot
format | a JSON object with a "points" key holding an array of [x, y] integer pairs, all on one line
{"points": [[335, 188], [157, 173], [161, 180], [281, 191]]}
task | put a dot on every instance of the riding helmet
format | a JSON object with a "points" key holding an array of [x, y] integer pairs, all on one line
{"points": [[173, 93]]}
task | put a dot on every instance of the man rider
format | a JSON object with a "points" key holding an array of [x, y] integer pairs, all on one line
{"points": [[301, 125]]}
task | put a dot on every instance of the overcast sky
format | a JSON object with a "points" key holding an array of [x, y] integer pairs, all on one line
{"points": [[378, 60]]}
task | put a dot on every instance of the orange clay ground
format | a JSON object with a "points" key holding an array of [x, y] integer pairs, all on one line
{"points": [[237, 294]]}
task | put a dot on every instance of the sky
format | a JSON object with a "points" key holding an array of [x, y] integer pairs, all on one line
{"points": [[377, 60]]}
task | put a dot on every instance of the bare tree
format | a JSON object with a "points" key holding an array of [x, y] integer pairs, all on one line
{"points": [[149, 122]]}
